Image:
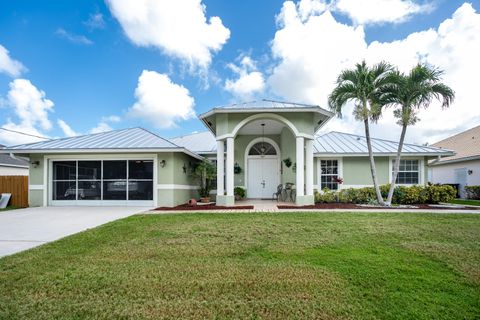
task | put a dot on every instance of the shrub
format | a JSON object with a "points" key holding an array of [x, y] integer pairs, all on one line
{"points": [[440, 193], [473, 192], [401, 195], [240, 192], [326, 196]]}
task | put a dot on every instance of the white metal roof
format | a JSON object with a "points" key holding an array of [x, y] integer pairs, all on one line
{"points": [[199, 142], [340, 143], [124, 140], [332, 143], [266, 105]]}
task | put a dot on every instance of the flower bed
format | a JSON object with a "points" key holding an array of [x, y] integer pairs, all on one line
{"points": [[337, 205], [208, 207]]}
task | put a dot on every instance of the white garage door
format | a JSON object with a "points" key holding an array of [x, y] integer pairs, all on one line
{"points": [[101, 182]]}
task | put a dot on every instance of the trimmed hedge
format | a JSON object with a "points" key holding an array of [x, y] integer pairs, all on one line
{"points": [[401, 195], [473, 192]]}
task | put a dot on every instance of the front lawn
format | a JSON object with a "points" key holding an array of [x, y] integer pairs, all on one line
{"points": [[8, 208], [278, 265], [466, 202]]}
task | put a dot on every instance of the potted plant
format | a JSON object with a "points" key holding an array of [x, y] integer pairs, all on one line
{"points": [[239, 193], [287, 162], [205, 173]]}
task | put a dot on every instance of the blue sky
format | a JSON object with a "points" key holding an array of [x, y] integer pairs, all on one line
{"points": [[87, 57]]}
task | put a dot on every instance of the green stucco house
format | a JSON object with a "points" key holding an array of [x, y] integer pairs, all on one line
{"points": [[257, 145]]}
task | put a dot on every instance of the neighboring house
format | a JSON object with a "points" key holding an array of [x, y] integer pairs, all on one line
{"points": [[12, 166], [463, 168], [250, 143]]}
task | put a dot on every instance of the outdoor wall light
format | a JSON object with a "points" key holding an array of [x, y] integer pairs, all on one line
{"points": [[36, 163], [163, 163], [184, 168], [470, 172]]}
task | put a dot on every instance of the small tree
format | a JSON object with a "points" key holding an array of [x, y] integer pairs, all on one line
{"points": [[365, 87], [205, 173], [409, 93]]}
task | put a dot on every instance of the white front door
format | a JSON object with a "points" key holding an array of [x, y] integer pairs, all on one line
{"points": [[262, 177]]}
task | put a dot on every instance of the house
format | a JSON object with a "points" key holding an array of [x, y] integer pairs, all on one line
{"points": [[256, 145], [11, 165], [463, 168]]}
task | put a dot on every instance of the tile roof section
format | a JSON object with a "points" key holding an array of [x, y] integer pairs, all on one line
{"points": [[465, 144], [7, 160]]}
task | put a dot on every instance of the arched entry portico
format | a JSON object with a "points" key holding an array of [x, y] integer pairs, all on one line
{"points": [[301, 121]]}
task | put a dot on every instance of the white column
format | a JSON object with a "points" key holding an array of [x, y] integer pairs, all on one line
{"points": [[309, 165], [220, 167], [300, 167], [229, 169]]}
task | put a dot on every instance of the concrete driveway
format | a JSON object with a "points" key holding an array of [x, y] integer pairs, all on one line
{"points": [[23, 229]]}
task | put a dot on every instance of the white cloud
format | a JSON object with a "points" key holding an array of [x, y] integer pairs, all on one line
{"points": [[380, 11], [31, 107], [101, 127], [249, 81], [179, 28], [74, 38], [161, 101], [312, 52], [67, 130], [8, 65], [95, 21]]}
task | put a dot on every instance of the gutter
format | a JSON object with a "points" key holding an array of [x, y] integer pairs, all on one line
{"points": [[446, 161]]}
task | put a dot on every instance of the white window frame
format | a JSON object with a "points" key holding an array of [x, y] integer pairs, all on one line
{"points": [[48, 174], [421, 171], [319, 171]]}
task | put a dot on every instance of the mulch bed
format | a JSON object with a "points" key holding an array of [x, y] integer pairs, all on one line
{"points": [[354, 206], [209, 207]]}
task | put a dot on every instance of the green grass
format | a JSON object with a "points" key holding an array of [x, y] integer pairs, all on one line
{"points": [[282, 265], [8, 208], [466, 202]]}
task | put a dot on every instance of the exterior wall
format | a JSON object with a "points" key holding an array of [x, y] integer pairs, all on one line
{"points": [[446, 173], [288, 147], [226, 123], [173, 186], [13, 171], [356, 171], [36, 185]]}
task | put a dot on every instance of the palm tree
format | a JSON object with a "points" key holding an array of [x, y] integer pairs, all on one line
{"points": [[409, 93], [367, 88]]}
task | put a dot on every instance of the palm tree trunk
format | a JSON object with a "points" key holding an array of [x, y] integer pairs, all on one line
{"points": [[397, 165], [372, 163]]}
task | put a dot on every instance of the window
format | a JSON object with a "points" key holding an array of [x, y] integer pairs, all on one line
{"points": [[64, 180], [140, 180], [89, 175], [329, 169], [115, 180], [408, 173], [102, 180], [262, 149]]}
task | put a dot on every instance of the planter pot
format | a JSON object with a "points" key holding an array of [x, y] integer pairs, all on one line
{"points": [[205, 199], [237, 197]]}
